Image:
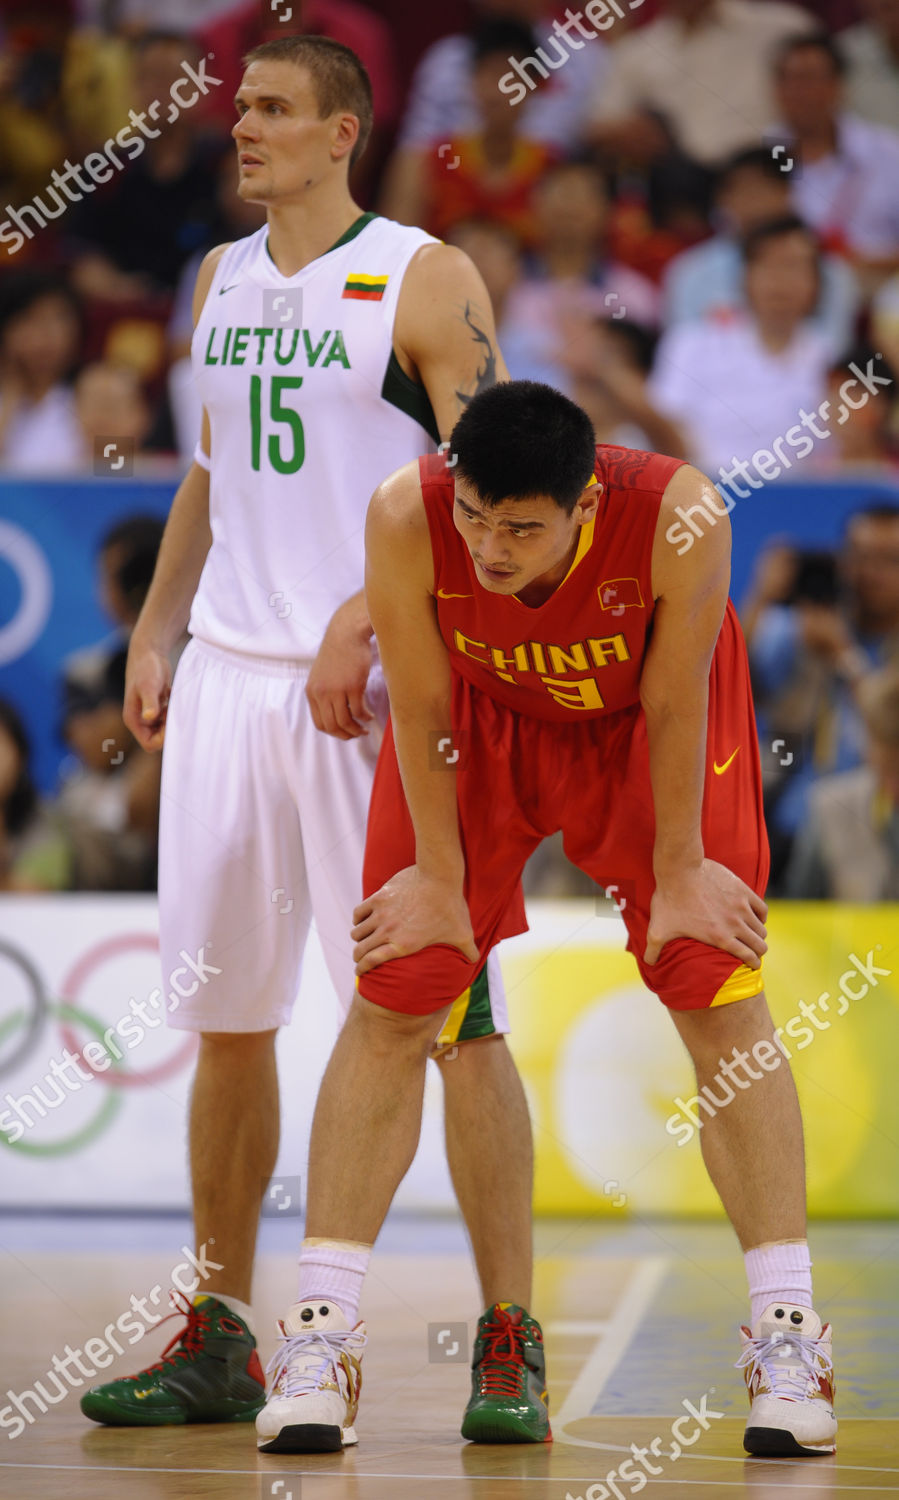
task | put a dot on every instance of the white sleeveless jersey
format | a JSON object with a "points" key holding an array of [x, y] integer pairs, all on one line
{"points": [[309, 410]]}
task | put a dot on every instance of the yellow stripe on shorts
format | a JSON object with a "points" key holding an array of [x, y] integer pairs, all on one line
{"points": [[741, 984]]}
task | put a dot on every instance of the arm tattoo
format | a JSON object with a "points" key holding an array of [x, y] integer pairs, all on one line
{"points": [[486, 376]]}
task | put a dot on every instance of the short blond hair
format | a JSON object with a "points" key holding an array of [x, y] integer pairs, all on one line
{"points": [[339, 79]]}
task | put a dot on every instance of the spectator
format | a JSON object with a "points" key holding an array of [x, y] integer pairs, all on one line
{"points": [[40, 333], [126, 560], [33, 851], [816, 627], [860, 419], [32, 125], [441, 99], [848, 850], [847, 185], [697, 80], [143, 15], [133, 236], [111, 801], [885, 320], [871, 50], [110, 406], [608, 364], [660, 212], [569, 275], [708, 279], [737, 383], [487, 173]]}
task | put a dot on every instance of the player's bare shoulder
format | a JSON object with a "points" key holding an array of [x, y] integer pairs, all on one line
{"points": [[439, 278], [444, 330], [397, 536], [206, 275], [691, 548], [396, 508]]}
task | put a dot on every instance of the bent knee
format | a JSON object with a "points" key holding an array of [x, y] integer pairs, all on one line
{"points": [[378, 1021]]}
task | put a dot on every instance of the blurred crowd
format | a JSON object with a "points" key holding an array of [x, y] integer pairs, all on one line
{"points": [[686, 213]]}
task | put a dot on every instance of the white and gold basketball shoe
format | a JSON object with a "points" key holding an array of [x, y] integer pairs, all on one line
{"points": [[316, 1379], [788, 1367]]}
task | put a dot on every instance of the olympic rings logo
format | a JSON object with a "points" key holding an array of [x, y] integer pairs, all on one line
{"points": [[68, 1015]]}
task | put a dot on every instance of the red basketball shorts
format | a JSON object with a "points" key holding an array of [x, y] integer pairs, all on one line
{"points": [[521, 778]]}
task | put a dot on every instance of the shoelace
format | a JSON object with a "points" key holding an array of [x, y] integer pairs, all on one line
{"points": [[189, 1339], [788, 1379], [331, 1344], [503, 1370]]}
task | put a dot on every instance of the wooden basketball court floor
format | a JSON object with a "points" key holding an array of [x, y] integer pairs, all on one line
{"points": [[640, 1323]]}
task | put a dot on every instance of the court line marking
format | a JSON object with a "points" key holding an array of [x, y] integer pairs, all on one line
{"points": [[610, 1347], [344, 1474], [607, 1353]]}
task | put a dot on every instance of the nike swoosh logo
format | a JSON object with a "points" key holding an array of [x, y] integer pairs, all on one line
{"points": [[720, 770], [442, 594], [224, 289]]}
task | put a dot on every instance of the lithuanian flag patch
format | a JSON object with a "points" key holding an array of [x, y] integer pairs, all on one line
{"points": [[365, 288]]}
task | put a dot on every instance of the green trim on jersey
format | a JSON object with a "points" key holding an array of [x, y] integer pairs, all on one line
{"points": [[479, 1014], [410, 396], [355, 228]]}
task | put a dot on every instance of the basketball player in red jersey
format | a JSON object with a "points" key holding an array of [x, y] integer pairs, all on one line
{"points": [[530, 608]]}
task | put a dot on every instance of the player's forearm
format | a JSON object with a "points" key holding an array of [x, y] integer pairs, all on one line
{"points": [[429, 783], [185, 544], [676, 732], [353, 617]]}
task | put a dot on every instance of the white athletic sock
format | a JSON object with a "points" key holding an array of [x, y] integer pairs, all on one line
{"points": [[334, 1271], [779, 1273], [242, 1309]]}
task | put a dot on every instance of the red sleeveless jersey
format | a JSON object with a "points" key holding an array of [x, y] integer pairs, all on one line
{"points": [[580, 654]]}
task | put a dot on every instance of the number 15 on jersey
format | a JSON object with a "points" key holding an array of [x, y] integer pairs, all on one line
{"points": [[283, 462]]}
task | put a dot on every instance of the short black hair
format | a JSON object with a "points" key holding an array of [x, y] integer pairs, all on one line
{"points": [[21, 804], [641, 341], [875, 510], [511, 38], [522, 439], [860, 356], [760, 159], [577, 161], [775, 229], [139, 538], [339, 78], [161, 37], [821, 41]]}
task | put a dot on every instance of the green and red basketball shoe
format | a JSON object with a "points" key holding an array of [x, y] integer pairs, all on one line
{"points": [[509, 1401], [209, 1372]]}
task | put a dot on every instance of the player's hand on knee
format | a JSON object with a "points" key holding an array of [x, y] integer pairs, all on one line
{"points": [[713, 905], [148, 682], [337, 680], [410, 912]]}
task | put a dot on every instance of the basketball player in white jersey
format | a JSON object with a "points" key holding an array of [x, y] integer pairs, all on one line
{"points": [[329, 348]]}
